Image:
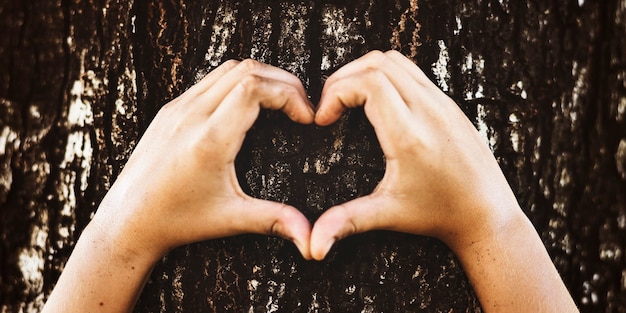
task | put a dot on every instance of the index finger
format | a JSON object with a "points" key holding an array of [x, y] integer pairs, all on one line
{"points": [[208, 101], [233, 117], [205, 83], [412, 84], [383, 105]]}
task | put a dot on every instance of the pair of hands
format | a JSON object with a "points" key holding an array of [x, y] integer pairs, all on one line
{"points": [[179, 185]]}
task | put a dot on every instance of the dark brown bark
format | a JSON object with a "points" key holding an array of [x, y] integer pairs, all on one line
{"points": [[545, 81]]}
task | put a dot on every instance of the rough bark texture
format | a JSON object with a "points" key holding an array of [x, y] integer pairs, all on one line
{"points": [[544, 81]]}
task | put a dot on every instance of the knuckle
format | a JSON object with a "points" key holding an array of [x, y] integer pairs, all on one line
{"points": [[168, 107], [394, 53], [287, 91], [249, 65], [398, 56], [375, 54], [251, 84], [376, 78], [229, 64], [376, 59]]}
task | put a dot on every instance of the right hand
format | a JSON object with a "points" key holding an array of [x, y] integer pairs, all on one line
{"points": [[441, 179]]}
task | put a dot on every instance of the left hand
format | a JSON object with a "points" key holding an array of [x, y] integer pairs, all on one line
{"points": [[179, 185]]}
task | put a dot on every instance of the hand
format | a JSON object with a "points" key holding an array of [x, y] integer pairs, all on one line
{"points": [[179, 185], [441, 179]]}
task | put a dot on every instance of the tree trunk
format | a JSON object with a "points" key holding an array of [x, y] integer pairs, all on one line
{"points": [[544, 81]]}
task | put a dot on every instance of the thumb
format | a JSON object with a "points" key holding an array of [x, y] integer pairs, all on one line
{"points": [[278, 219], [353, 217]]}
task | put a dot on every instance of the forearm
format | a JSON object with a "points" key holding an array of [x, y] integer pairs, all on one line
{"points": [[99, 277], [511, 271]]}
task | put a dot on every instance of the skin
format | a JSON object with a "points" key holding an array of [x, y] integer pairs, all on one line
{"points": [[441, 180], [179, 186]]}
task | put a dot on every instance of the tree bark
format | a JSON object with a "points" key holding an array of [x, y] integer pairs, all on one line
{"points": [[544, 82]]}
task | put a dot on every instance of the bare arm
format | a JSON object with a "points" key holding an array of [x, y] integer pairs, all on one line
{"points": [[441, 180], [179, 186]]}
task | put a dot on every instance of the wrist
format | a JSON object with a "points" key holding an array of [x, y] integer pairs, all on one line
{"points": [[109, 276], [120, 236], [489, 229], [511, 271], [119, 247]]}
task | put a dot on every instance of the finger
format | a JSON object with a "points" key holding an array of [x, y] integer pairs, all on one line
{"points": [[410, 67], [384, 106], [391, 62], [238, 111], [402, 73], [424, 97], [366, 78], [276, 219], [207, 81], [209, 100], [371, 60], [353, 217]]}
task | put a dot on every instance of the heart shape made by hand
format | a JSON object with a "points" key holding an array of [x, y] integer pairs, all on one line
{"points": [[180, 186], [186, 161]]}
